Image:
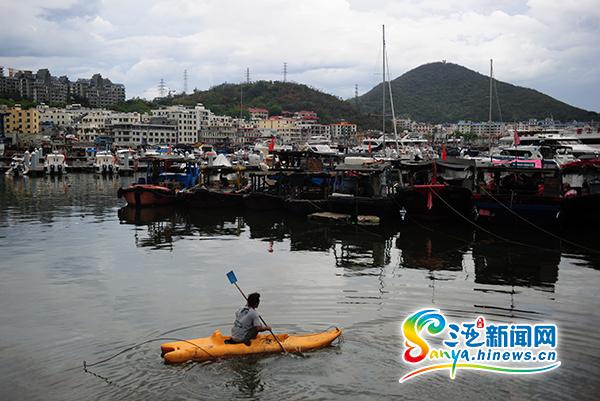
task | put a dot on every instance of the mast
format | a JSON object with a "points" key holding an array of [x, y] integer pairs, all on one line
{"points": [[392, 105], [383, 88], [490, 108]]}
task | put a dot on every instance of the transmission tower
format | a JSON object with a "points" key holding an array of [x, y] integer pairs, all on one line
{"points": [[185, 81], [162, 88], [356, 94], [247, 75], [284, 72]]}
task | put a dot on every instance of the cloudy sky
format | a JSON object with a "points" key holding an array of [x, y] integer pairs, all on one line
{"points": [[548, 45]]}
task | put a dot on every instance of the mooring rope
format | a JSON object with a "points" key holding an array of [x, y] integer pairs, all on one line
{"points": [[488, 231], [88, 365], [538, 227]]}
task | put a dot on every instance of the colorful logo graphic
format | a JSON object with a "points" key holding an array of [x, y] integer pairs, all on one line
{"points": [[433, 340]]}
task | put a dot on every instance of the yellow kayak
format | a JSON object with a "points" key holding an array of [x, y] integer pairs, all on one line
{"points": [[214, 347]]}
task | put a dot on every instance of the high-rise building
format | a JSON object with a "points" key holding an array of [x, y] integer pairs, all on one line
{"points": [[42, 87]]}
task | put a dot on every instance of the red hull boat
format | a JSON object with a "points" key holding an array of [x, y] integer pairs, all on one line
{"points": [[144, 195]]}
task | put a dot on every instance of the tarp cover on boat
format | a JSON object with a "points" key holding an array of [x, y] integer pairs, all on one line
{"points": [[221, 161]]}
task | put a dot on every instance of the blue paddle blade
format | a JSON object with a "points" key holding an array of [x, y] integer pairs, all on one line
{"points": [[232, 278]]}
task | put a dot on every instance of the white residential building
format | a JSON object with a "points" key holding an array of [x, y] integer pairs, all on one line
{"points": [[92, 124], [154, 131], [343, 132], [190, 121]]}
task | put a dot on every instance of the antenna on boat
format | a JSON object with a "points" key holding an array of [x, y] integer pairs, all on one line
{"points": [[490, 108], [383, 88]]}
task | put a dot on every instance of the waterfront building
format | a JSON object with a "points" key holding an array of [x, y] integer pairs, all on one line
{"points": [[153, 131], [92, 124], [22, 121]]}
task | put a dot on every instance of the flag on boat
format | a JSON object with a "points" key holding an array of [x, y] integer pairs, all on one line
{"points": [[272, 144], [517, 140], [444, 153]]}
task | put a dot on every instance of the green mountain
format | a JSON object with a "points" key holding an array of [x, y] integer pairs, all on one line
{"points": [[276, 97], [446, 92]]}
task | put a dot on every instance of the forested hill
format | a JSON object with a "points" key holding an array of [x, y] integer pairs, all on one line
{"points": [[276, 97], [446, 92]]}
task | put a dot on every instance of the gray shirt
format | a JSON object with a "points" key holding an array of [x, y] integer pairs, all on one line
{"points": [[245, 319]]}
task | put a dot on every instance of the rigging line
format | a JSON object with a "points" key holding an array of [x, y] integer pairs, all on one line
{"points": [[488, 231], [86, 365], [558, 237]]}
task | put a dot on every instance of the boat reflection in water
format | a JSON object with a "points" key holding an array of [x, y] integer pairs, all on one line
{"points": [[433, 247], [500, 263], [356, 249]]}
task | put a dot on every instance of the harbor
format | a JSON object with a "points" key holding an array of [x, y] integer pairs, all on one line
{"points": [[308, 200], [84, 277]]}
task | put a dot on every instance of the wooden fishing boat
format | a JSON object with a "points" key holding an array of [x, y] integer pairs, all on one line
{"points": [[146, 195]]}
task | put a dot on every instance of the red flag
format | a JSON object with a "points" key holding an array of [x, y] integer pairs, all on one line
{"points": [[272, 144], [444, 154], [517, 140], [429, 200]]}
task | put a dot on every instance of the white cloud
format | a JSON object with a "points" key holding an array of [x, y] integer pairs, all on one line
{"points": [[332, 44]]}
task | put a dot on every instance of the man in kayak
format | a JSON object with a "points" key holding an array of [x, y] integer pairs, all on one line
{"points": [[247, 323]]}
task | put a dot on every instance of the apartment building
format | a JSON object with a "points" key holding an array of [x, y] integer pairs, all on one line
{"points": [[343, 131], [285, 127], [93, 124], [42, 87], [154, 131], [258, 113], [190, 121], [21, 121]]}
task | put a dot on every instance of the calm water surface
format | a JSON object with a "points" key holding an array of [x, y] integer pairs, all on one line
{"points": [[81, 279]]}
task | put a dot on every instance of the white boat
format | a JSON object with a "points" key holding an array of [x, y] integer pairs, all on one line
{"points": [[123, 157], [55, 164], [553, 139], [106, 163]]}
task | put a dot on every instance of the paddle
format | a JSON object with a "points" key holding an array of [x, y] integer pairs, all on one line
{"points": [[233, 280]]}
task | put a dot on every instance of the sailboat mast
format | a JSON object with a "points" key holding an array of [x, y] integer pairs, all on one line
{"points": [[490, 108], [383, 88]]}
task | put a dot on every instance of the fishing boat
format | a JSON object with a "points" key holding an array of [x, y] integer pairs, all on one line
{"points": [[517, 195], [105, 163], [55, 164], [307, 192], [360, 187], [581, 203], [437, 190], [265, 192], [212, 198], [165, 177], [214, 347]]}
